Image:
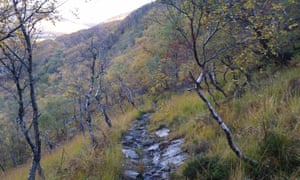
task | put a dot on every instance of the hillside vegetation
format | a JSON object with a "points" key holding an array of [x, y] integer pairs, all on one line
{"points": [[244, 57], [265, 126]]}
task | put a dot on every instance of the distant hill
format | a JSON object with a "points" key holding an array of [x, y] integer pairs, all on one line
{"points": [[114, 36]]}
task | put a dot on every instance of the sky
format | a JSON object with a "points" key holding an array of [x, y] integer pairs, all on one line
{"points": [[89, 13]]}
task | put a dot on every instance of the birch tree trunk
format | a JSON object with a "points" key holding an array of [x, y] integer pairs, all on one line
{"points": [[35, 119], [17, 49], [224, 127], [81, 115], [88, 96], [203, 23]]}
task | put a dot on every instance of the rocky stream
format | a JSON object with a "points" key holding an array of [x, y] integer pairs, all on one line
{"points": [[150, 156]]}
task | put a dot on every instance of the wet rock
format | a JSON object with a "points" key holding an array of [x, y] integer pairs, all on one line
{"points": [[130, 153], [163, 145], [173, 149], [162, 132], [148, 142], [156, 158], [156, 153], [176, 160], [173, 154], [129, 174], [128, 140], [166, 168], [154, 147]]}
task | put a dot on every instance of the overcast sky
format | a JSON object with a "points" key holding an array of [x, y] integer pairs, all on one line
{"points": [[90, 13]]}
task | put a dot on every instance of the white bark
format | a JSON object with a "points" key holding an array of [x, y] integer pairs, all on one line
{"points": [[225, 128]]}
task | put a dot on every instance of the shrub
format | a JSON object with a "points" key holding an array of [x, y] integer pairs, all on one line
{"points": [[294, 87], [206, 167], [280, 156]]}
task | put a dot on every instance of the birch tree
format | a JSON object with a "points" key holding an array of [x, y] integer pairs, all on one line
{"points": [[95, 90], [18, 32], [201, 24], [233, 40], [92, 76]]}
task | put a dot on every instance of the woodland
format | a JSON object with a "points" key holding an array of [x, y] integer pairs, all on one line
{"points": [[222, 74]]}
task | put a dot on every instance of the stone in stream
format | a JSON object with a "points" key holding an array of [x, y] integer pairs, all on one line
{"points": [[173, 149], [156, 158], [148, 142], [153, 147], [162, 132], [176, 160], [173, 154], [129, 174], [128, 140], [130, 154]]}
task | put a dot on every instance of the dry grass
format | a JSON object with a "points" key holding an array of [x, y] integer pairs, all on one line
{"points": [[77, 160], [175, 110], [50, 161], [250, 119]]}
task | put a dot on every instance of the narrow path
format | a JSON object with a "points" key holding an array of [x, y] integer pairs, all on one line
{"points": [[149, 156]]}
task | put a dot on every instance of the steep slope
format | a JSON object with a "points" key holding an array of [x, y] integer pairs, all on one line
{"points": [[112, 39], [56, 62], [147, 67]]}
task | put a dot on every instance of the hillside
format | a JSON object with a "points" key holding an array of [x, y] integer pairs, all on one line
{"points": [[266, 117], [184, 70]]}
